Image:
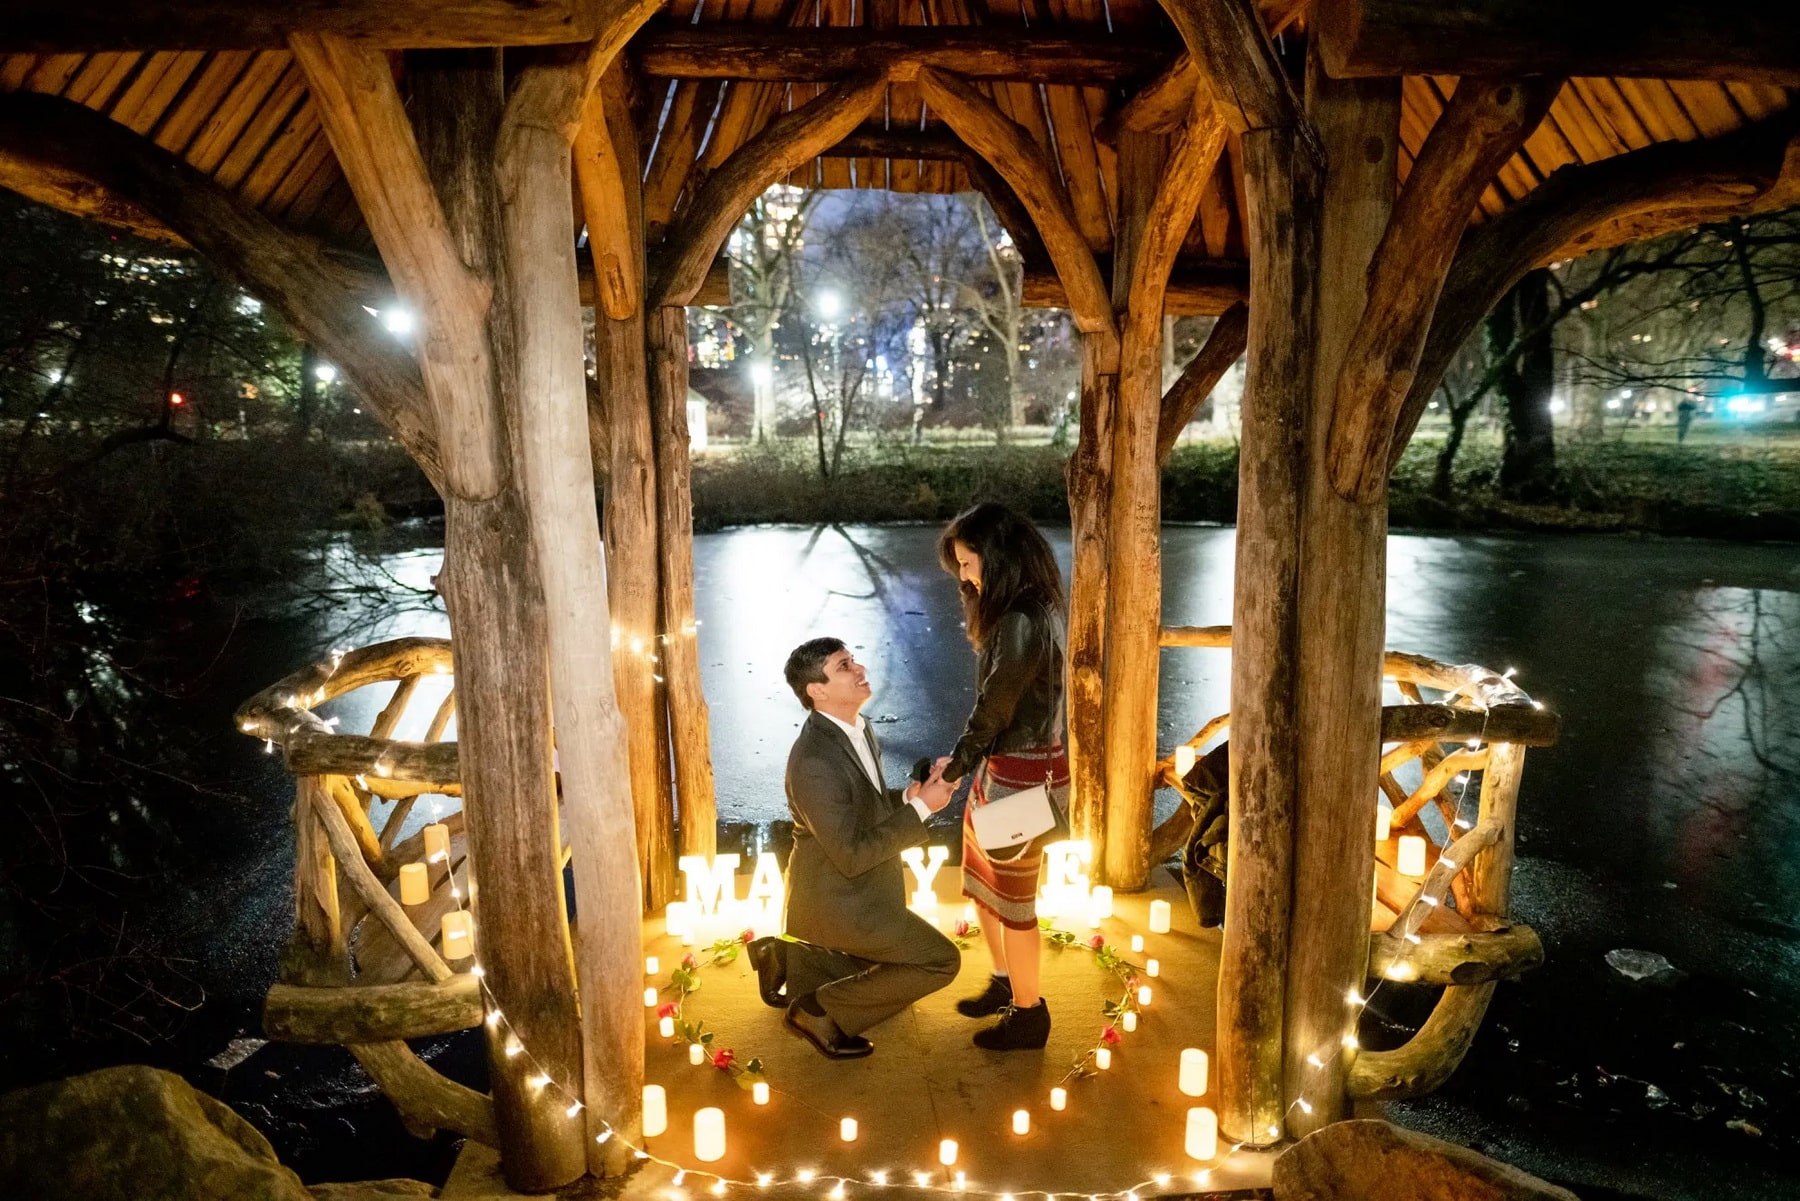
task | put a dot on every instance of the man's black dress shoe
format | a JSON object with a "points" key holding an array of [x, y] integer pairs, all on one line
{"points": [[769, 957], [823, 1033]]}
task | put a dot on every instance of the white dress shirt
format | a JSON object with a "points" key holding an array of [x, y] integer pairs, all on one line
{"points": [[859, 739]]}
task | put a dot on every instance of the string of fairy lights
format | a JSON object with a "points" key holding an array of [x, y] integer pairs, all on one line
{"points": [[946, 1177]]}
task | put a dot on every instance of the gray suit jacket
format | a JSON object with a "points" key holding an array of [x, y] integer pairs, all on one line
{"points": [[846, 886]]}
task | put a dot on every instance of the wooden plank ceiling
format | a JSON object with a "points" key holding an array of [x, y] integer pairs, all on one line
{"points": [[245, 118]]}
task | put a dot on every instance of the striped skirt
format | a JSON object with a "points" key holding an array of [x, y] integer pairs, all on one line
{"points": [[1007, 887]]}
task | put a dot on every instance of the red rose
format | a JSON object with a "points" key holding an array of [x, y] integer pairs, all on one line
{"points": [[1098, 941], [747, 936], [722, 1059], [1131, 982], [962, 929], [667, 1009], [688, 961], [1110, 1035]]}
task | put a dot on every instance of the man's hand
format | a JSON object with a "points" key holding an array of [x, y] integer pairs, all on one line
{"points": [[936, 791]]}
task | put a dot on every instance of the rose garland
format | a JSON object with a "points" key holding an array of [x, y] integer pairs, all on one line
{"points": [[685, 981], [1107, 958]]}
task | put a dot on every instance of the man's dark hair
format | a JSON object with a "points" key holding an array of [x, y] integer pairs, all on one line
{"points": [[807, 666]]}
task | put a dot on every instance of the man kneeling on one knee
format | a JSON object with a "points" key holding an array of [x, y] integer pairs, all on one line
{"points": [[864, 956]]}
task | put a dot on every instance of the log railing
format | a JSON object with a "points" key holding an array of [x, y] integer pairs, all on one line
{"points": [[363, 970], [1449, 926]]}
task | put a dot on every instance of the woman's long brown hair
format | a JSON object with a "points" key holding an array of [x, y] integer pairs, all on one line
{"points": [[1016, 566]]}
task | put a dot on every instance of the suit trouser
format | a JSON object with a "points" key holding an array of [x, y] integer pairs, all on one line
{"points": [[882, 977]]}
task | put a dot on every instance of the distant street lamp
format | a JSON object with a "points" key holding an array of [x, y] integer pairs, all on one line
{"points": [[828, 304], [398, 321], [325, 373]]}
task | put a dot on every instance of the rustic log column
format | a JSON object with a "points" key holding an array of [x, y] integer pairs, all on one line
{"points": [[633, 573], [491, 585], [1134, 543], [1282, 192], [1089, 478], [690, 725], [547, 386], [1341, 618]]}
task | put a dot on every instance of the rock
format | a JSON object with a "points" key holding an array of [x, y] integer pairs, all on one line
{"points": [[1637, 965], [1374, 1161], [137, 1134]]}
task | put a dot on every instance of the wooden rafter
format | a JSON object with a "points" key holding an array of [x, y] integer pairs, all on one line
{"points": [[46, 138], [1019, 161], [63, 26], [1659, 189], [1230, 45], [1667, 39], [787, 142], [365, 118], [1484, 125], [818, 55]]}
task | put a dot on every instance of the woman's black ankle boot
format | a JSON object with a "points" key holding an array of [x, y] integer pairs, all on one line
{"points": [[989, 1001], [1018, 1030]]}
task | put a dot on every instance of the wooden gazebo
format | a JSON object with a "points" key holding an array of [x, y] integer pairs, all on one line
{"points": [[1349, 185]]}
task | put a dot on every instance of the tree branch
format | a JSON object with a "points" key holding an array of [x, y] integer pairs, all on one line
{"points": [[45, 136]]}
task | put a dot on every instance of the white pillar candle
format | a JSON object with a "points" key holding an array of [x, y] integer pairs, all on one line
{"points": [[656, 1110], [415, 885], [650, 998], [666, 1027], [1184, 759], [459, 942], [696, 1054], [652, 965], [1103, 1059], [1412, 855], [1093, 917], [1143, 994], [1101, 899], [676, 918], [1021, 1121], [847, 1129], [924, 901], [1129, 1021], [1160, 913], [437, 842], [1059, 1099], [1152, 967], [947, 1152], [709, 1134], [759, 1092], [1202, 1133], [687, 937], [1384, 829], [1193, 1072], [1137, 943]]}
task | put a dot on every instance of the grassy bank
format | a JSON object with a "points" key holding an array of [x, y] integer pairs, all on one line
{"points": [[1738, 489]]}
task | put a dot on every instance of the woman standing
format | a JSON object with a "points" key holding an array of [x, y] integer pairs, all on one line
{"points": [[1012, 601]]}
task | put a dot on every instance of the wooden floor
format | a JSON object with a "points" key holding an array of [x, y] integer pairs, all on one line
{"points": [[1122, 1130]]}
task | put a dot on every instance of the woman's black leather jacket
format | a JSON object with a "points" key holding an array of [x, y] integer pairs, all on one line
{"points": [[1018, 702]]}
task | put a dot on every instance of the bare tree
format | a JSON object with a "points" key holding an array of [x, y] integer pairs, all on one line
{"points": [[764, 253]]}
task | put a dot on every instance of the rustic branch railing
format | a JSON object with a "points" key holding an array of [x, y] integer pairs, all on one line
{"points": [[1449, 926], [364, 970]]}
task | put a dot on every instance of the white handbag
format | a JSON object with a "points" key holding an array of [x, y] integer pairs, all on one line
{"points": [[1014, 819]]}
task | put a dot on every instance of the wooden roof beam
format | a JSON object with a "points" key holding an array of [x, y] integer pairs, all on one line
{"points": [[1482, 127], [79, 26], [721, 50], [1754, 42], [48, 137], [1012, 153], [766, 159], [1196, 288], [1645, 193]]}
